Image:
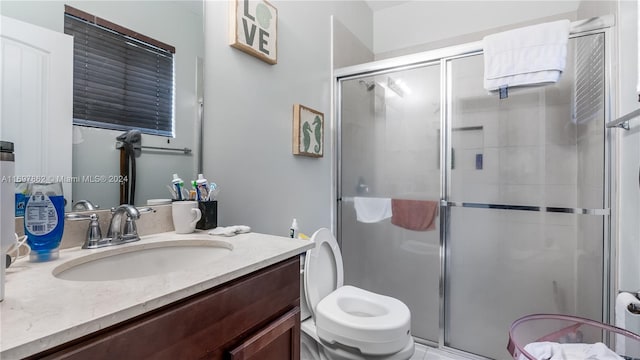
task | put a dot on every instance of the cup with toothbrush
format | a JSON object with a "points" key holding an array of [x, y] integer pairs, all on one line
{"points": [[206, 193]]}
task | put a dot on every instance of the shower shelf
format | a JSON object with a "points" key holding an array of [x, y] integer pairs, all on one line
{"points": [[567, 329]]}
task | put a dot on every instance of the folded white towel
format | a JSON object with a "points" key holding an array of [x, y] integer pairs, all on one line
{"points": [[230, 230], [371, 210], [531, 55], [555, 351]]}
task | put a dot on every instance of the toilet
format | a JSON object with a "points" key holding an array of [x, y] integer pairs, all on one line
{"points": [[345, 322]]}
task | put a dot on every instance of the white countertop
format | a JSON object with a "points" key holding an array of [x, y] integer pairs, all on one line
{"points": [[41, 311]]}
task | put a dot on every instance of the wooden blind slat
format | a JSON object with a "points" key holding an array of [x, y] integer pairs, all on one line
{"points": [[117, 28]]}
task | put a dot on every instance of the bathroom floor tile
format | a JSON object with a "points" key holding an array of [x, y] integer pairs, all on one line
{"points": [[435, 354], [421, 352]]}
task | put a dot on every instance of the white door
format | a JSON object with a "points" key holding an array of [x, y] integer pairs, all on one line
{"points": [[36, 100]]}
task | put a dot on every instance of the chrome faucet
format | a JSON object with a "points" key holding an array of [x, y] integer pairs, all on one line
{"points": [[122, 232], [122, 228], [82, 205]]}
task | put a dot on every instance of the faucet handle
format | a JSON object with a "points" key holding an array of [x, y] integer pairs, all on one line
{"points": [[94, 234], [130, 230], [85, 205], [77, 217], [144, 210], [132, 211]]}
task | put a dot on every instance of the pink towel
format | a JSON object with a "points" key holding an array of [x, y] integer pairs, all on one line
{"points": [[419, 215]]}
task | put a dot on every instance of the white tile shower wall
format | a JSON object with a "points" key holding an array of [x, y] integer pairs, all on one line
{"points": [[541, 160], [530, 256], [357, 107], [403, 139], [560, 132], [395, 262], [590, 177], [517, 130], [408, 137]]}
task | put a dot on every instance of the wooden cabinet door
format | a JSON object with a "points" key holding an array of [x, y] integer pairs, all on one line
{"points": [[280, 340]]}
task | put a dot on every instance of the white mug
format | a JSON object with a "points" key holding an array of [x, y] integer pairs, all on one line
{"points": [[185, 216]]}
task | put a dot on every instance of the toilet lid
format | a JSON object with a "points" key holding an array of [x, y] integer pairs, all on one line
{"points": [[323, 272]]}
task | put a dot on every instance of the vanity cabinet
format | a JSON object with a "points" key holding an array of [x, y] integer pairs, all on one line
{"points": [[254, 317]]}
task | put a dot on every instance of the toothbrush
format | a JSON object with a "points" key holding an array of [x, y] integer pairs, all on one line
{"points": [[212, 189], [173, 192], [195, 186], [215, 190]]}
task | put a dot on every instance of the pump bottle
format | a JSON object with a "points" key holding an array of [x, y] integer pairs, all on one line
{"points": [[293, 229]]}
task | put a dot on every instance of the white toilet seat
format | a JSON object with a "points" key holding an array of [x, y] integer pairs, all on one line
{"points": [[375, 324], [323, 269], [351, 323]]}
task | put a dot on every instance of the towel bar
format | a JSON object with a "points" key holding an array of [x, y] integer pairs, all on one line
{"points": [[186, 151], [623, 121]]}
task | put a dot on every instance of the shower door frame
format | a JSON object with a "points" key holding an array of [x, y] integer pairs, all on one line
{"points": [[443, 57]]}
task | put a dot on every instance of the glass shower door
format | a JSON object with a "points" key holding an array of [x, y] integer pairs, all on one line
{"points": [[389, 149], [526, 201]]}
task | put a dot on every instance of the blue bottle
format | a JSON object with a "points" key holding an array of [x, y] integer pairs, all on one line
{"points": [[44, 220], [21, 198]]}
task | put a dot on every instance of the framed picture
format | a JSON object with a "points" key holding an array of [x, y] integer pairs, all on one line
{"points": [[254, 28], [308, 131]]}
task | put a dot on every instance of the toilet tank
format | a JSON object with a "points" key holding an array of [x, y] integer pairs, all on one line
{"points": [[305, 313]]}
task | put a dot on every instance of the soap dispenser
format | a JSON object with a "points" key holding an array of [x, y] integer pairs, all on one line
{"points": [[44, 220]]}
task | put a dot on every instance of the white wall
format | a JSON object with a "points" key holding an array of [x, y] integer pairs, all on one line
{"points": [[174, 22], [248, 116], [348, 49], [415, 23], [629, 192]]}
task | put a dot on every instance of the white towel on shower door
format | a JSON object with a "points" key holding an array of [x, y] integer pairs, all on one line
{"points": [[531, 55], [371, 210]]}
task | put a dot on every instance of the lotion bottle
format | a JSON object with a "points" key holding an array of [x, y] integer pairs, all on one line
{"points": [[293, 229]]}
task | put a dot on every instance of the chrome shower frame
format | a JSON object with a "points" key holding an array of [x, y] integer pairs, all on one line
{"points": [[443, 57]]}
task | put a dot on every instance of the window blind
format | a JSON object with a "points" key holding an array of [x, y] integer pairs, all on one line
{"points": [[119, 82]]}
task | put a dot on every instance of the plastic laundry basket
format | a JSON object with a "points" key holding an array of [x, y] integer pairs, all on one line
{"points": [[569, 329]]}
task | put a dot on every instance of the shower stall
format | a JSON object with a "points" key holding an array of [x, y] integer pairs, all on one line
{"points": [[522, 186]]}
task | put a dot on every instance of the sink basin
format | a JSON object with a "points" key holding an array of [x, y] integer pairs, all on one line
{"points": [[143, 259]]}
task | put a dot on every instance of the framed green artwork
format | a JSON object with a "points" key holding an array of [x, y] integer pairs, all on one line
{"points": [[308, 131], [254, 28]]}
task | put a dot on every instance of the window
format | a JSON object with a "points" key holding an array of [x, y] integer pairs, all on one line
{"points": [[121, 80]]}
